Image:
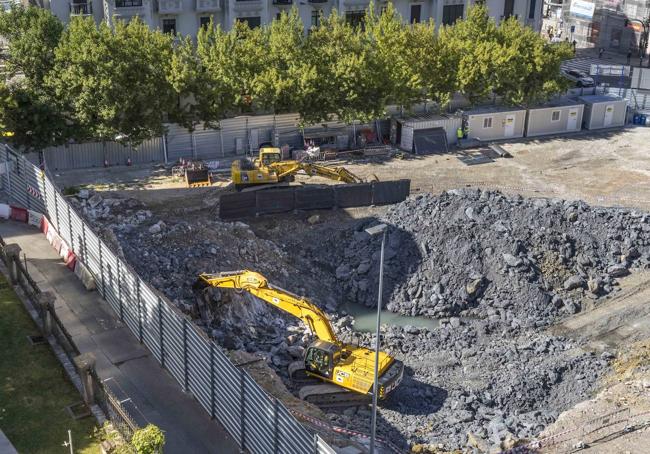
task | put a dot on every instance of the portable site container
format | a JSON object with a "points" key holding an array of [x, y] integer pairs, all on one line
{"points": [[494, 123], [554, 118], [425, 133], [603, 111]]}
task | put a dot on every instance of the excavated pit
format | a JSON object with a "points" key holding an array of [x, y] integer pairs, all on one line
{"points": [[492, 272]]}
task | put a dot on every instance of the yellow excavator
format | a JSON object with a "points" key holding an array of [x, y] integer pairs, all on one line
{"points": [[269, 168], [346, 369]]}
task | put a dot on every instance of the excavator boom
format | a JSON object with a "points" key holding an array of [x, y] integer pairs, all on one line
{"points": [[333, 173], [258, 286]]}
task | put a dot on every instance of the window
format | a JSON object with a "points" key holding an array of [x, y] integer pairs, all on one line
{"points": [[169, 26], [508, 8], [252, 22], [415, 13], [555, 116], [127, 3], [451, 13], [315, 18], [204, 21], [531, 12], [487, 122], [355, 18], [278, 16]]}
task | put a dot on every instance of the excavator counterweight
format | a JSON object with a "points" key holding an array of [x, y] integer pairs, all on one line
{"points": [[346, 366]]}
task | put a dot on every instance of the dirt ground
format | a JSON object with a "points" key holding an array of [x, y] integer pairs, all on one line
{"points": [[603, 168]]}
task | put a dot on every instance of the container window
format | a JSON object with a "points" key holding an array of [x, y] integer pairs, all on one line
{"points": [[555, 116], [487, 122]]}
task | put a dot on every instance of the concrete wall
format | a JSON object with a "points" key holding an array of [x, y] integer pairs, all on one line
{"points": [[498, 129], [540, 121], [594, 117]]}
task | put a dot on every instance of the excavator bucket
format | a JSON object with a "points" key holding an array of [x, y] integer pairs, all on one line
{"points": [[197, 178]]}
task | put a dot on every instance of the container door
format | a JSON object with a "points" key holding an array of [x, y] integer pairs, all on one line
{"points": [[609, 115], [509, 127], [572, 121]]}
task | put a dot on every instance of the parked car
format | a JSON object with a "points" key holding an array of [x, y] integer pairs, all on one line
{"points": [[581, 78]]}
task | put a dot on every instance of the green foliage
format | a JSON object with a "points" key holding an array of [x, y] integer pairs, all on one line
{"points": [[33, 34], [149, 440], [527, 69], [114, 81], [339, 79], [98, 82]]}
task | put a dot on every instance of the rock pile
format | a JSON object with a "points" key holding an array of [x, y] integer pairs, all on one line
{"points": [[518, 261], [495, 270]]}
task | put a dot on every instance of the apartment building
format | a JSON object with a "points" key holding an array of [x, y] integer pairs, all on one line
{"points": [[185, 17]]}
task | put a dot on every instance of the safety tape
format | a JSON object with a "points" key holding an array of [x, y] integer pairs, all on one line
{"points": [[342, 430]]}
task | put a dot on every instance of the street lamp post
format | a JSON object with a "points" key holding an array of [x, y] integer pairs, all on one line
{"points": [[373, 231]]}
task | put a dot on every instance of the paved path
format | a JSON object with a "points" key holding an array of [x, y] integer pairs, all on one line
{"points": [[125, 364], [5, 445]]}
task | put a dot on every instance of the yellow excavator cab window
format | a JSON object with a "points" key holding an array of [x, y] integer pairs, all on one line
{"points": [[269, 158], [318, 361]]}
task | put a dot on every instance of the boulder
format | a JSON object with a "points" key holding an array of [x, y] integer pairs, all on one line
{"points": [[574, 282]]}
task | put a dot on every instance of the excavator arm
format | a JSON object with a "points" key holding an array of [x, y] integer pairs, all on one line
{"points": [[257, 285], [333, 173]]}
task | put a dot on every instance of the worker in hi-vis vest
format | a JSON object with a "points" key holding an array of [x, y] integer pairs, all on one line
{"points": [[459, 135]]}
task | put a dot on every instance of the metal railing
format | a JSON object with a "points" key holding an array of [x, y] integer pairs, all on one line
{"points": [[111, 406], [258, 422]]}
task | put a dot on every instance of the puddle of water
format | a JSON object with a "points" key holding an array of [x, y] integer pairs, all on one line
{"points": [[365, 319]]}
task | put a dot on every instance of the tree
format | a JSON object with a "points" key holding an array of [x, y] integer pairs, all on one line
{"points": [[33, 121], [527, 69], [33, 34], [149, 440], [338, 79], [114, 81], [391, 51], [471, 47]]}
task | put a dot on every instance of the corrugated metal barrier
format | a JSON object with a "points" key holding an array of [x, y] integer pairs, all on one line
{"points": [[258, 422], [255, 203]]}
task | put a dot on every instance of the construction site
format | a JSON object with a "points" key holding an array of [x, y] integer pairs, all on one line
{"points": [[515, 292]]}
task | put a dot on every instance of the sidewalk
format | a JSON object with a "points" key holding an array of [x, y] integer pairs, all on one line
{"points": [[121, 359]]}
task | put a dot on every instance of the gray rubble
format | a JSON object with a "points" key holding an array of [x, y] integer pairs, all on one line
{"points": [[496, 270]]}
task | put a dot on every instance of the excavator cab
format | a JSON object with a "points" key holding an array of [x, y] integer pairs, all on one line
{"points": [[321, 357], [269, 156]]}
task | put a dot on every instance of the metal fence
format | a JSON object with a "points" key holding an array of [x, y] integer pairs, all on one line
{"points": [[258, 422]]}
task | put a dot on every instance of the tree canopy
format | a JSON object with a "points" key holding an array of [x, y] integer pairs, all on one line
{"points": [[126, 81]]}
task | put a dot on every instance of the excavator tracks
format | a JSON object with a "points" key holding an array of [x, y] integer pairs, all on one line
{"points": [[326, 395]]}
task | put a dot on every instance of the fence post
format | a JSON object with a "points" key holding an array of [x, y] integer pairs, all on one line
{"points": [[137, 294], [45, 302], [276, 432], [119, 291], [186, 376], [101, 268], [242, 410], [160, 328], [70, 228], [85, 364], [212, 412], [12, 254], [84, 247], [56, 212]]}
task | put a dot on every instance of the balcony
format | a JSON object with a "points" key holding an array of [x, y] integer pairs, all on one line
{"points": [[208, 6], [81, 9], [127, 9], [318, 1], [283, 2], [170, 6], [252, 7]]}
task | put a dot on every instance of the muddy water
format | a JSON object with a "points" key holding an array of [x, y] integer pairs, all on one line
{"points": [[365, 319]]}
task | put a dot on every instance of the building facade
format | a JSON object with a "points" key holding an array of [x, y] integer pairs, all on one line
{"points": [[185, 17], [613, 25]]}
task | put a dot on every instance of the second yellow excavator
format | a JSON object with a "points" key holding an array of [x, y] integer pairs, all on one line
{"points": [[269, 168], [344, 367]]}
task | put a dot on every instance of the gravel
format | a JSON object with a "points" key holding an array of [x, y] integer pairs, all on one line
{"points": [[496, 270]]}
